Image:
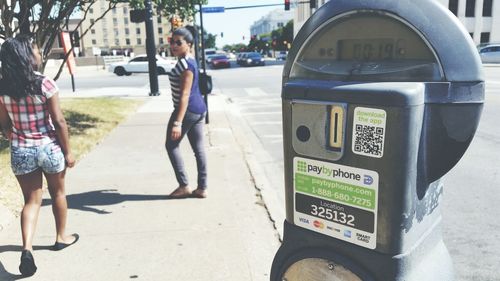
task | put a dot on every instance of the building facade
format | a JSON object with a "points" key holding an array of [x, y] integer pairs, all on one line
{"points": [[481, 18], [115, 33], [273, 20]]}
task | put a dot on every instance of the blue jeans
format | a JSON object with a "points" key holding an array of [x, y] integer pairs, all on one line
{"points": [[192, 125]]}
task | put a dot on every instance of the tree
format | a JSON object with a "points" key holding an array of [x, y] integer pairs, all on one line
{"points": [[44, 20], [282, 37], [209, 39], [184, 9]]}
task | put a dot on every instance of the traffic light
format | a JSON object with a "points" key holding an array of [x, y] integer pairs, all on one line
{"points": [[287, 5], [312, 4], [137, 15]]}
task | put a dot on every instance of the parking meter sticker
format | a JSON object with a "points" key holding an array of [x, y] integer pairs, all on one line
{"points": [[368, 134], [334, 200]]}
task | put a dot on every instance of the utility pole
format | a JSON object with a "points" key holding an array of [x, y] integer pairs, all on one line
{"points": [[202, 39], [151, 50]]}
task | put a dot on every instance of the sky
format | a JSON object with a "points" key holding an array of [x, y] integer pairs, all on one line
{"points": [[235, 23]]}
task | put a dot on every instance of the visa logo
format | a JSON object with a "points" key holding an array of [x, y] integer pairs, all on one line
{"points": [[303, 220]]}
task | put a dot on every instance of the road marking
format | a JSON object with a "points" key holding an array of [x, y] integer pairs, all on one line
{"points": [[275, 136], [255, 92], [262, 113], [266, 123]]}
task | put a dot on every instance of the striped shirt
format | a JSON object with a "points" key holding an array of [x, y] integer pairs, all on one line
{"points": [[31, 122], [196, 103]]}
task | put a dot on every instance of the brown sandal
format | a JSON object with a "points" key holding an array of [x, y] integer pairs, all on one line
{"points": [[180, 192], [199, 193]]}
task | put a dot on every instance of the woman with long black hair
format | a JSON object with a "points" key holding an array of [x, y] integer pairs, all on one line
{"points": [[32, 120]]}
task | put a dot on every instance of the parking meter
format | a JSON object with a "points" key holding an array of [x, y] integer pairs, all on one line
{"points": [[380, 100]]}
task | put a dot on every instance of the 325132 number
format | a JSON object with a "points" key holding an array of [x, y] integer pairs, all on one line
{"points": [[332, 215]]}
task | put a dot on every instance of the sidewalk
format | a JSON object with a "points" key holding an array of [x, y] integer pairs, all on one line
{"points": [[128, 227]]}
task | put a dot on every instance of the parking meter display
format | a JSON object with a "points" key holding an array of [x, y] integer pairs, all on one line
{"points": [[367, 47], [336, 200]]}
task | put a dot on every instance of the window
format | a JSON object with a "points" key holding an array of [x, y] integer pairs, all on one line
{"points": [[471, 35], [92, 21], [126, 31], [161, 41], [160, 30], [117, 42], [115, 21], [139, 41], [94, 42], [487, 4], [137, 31], [125, 10], [453, 6], [158, 19], [117, 33], [470, 8], [127, 41], [92, 31], [125, 20], [91, 11], [114, 11], [485, 37], [105, 41]]}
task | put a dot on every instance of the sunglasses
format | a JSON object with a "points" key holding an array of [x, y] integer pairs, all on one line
{"points": [[176, 42]]}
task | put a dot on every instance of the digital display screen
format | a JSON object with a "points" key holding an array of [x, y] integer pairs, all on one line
{"points": [[369, 46], [369, 49]]}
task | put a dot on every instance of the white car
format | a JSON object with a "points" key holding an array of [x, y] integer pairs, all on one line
{"points": [[490, 53], [139, 64]]}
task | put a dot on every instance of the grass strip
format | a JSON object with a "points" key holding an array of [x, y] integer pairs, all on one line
{"points": [[89, 121]]}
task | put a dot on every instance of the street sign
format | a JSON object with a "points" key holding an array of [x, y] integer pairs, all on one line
{"points": [[212, 9]]}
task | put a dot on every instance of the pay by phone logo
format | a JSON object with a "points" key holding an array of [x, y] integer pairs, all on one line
{"points": [[304, 167]]}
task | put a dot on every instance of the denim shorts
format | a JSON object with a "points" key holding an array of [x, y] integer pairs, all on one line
{"points": [[25, 160]]}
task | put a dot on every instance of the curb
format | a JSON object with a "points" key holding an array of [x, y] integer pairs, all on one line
{"points": [[248, 142]]}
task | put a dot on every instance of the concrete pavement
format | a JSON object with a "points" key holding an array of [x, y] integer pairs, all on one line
{"points": [[128, 227]]}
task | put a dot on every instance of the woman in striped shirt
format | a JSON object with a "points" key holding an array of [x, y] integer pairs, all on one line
{"points": [[32, 120], [188, 115]]}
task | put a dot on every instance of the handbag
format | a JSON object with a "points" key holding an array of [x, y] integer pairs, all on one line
{"points": [[205, 83]]}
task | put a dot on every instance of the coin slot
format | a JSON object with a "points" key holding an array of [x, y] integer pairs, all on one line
{"points": [[336, 134]]}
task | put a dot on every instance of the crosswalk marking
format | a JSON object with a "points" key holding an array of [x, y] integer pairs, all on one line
{"points": [[255, 92], [266, 123], [261, 113]]}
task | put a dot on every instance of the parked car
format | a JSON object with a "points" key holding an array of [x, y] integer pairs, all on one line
{"points": [[219, 61], [281, 55], [490, 53], [241, 56], [139, 64], [251, 59]]}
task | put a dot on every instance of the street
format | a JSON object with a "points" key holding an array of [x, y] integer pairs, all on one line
{"points": [[470, 219]]}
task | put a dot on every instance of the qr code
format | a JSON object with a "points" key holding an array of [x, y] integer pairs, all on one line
{"points": [[369, 140]]}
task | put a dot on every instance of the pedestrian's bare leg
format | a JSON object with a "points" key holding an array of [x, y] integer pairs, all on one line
{"points": [[59, 205], [31, 186]]}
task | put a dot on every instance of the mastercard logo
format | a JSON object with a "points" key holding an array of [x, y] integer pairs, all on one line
{"points": [[319, 224]]}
